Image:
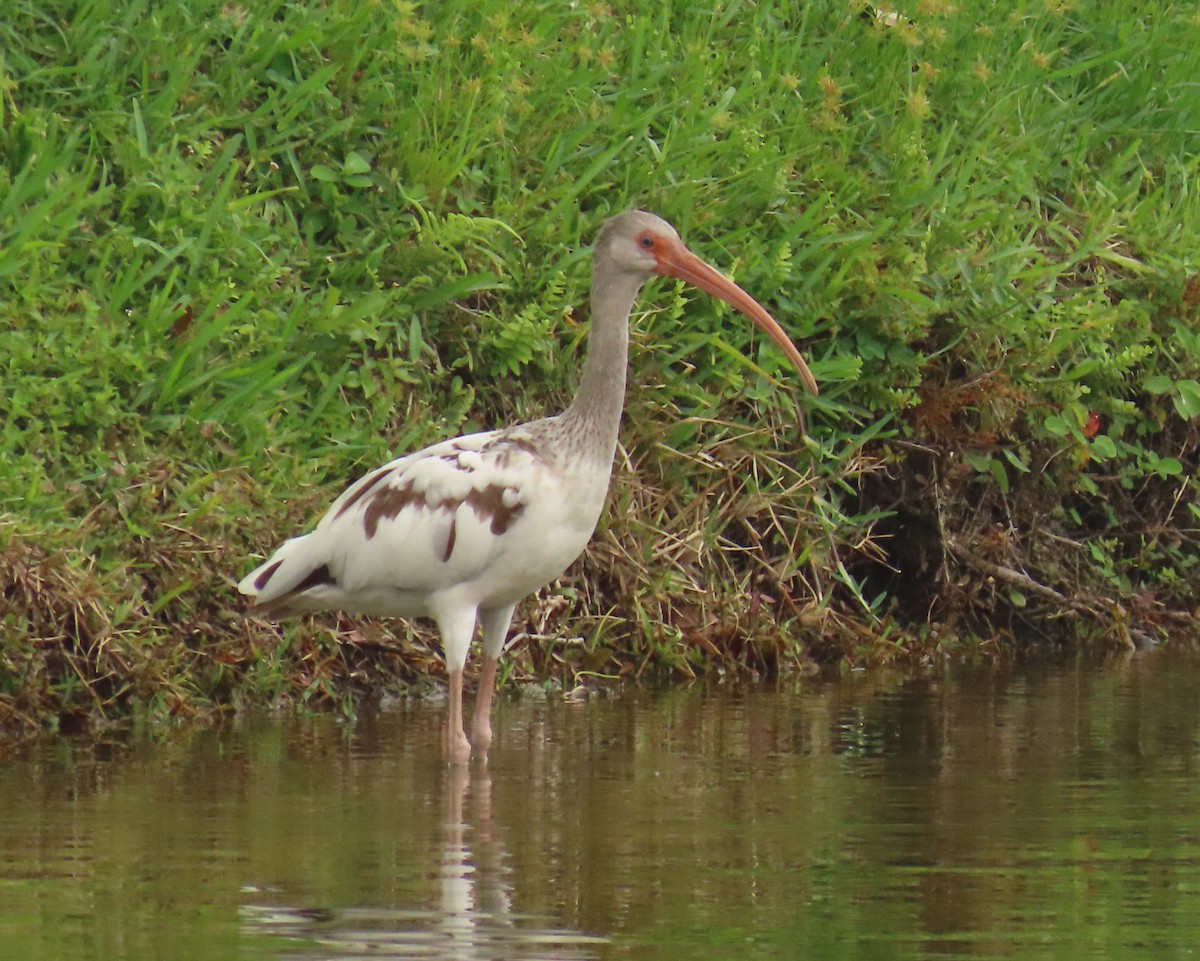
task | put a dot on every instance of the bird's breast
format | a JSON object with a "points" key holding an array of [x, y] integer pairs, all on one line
{"points": [[561, 512]]}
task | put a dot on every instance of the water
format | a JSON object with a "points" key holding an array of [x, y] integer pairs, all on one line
{"points": [[1028, 812]]}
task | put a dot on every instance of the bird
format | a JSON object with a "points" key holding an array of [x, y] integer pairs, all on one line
{"points": [[462, 530]]}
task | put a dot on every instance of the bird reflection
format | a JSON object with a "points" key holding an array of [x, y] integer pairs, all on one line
{"points": [[473, 919], [476, 898]]}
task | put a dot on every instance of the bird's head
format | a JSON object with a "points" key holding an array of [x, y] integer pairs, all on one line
{"points": [[635, 241], [640, 242]]}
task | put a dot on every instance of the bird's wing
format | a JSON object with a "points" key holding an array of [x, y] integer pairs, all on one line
{"points": [[420, 524]]}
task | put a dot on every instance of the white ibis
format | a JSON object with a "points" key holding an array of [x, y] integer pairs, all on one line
{"points": [[462, 530]]}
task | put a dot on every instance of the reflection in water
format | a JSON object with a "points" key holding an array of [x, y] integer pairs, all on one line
{"points": [[475, 916], [1006, 811]]}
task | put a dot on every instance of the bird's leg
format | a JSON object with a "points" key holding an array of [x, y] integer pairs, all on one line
{"points": [[457, 624], [481, 724], [495, 622], [458, 748]]}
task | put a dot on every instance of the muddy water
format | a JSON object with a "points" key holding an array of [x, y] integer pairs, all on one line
{"points": [[1031, 812]]}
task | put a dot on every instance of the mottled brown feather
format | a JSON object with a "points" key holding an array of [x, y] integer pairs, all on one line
{"points": [[386, 504], [317, 577], [488, 504], [281, 606], [361, 492], [265, 577]]}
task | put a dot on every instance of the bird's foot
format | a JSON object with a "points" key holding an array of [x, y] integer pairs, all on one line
{"points": [[482, 739], [458, 748]]}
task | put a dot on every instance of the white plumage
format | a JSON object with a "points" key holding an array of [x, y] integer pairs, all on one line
{"points": [[462, 530], [482, 515]]}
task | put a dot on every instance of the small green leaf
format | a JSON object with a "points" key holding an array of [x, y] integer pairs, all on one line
{"points": [[1056, 425], [1083, 368], [1167, 467], [314, 221], [416, 342], [1187, 399], [999, 476], [1103, 446], [1158, 384], [1016, 461], [355, 164], [324, 173], [980, 462]]}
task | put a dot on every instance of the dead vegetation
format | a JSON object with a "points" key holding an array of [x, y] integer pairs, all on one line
{"points": [[976, 558]]}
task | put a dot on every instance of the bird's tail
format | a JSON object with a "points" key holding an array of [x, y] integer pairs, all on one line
{"points": [[280, 586]]}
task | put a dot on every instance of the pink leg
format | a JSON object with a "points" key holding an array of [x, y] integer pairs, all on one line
{"points": [[457, 622], [458, 748], [482, 725], [494, 621]]}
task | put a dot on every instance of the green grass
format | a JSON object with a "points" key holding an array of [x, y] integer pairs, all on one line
{"points": [[247, 252]]}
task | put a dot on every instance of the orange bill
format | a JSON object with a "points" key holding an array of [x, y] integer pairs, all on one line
{"points": [[675, 260]]}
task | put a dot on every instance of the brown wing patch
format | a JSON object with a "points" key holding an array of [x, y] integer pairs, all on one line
{"points": [[277, 606], [386, 504], [488, 504], [362, 491], [264, 578], [317, 577], [522, 443], [503, 448]]}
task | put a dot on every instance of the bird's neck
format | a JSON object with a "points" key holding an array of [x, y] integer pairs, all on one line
{"points": [[594, 416]]}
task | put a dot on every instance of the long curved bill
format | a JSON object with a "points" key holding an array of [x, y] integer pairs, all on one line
{"points": [[675, 260]]}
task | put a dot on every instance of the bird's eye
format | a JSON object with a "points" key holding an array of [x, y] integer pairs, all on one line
{"points": [[647, 241]]}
